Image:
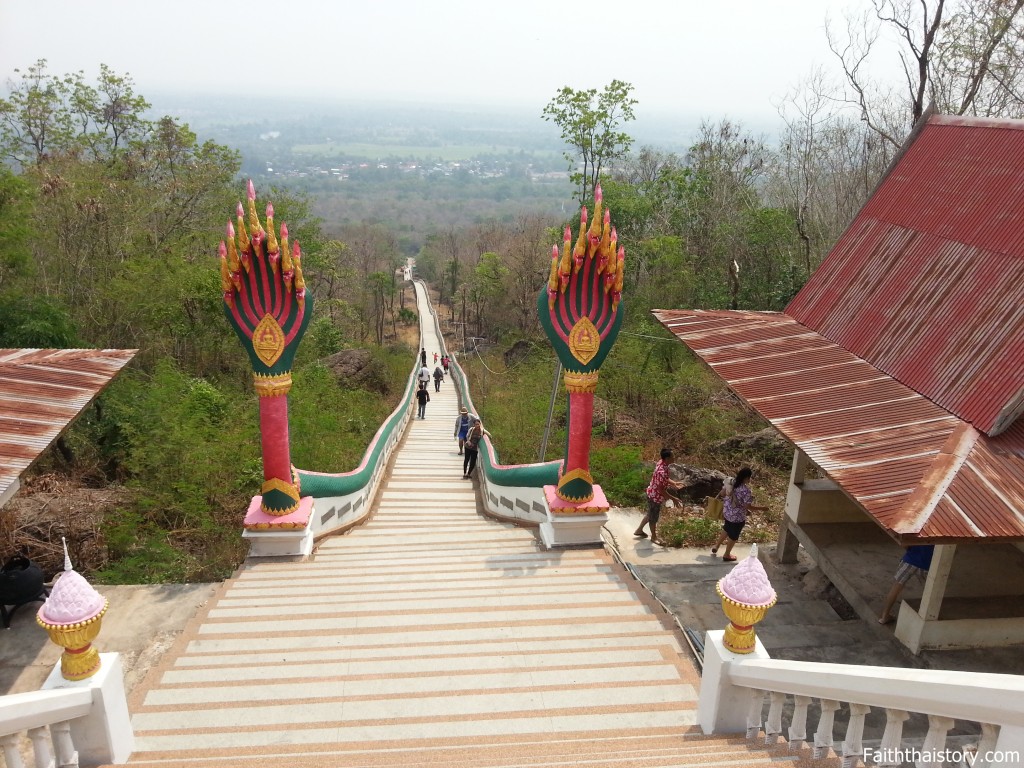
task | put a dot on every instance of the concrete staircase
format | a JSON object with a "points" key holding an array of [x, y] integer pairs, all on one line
{"points": [[429, 636]]}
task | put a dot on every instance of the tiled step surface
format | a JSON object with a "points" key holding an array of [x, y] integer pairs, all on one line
{"points": [[429, 636]]}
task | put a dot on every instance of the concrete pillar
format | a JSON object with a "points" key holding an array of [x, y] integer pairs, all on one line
{"points": [[798, 473], [723, 706], [105, 735], [935, 583], [789, 544]]}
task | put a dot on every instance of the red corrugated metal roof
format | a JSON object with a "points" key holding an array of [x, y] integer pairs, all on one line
{"points": [[927, 284], [41, 392], [922, 473]]}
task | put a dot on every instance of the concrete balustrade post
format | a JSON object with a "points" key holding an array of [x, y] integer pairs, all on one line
{"points": [[723, 706], [105, 735]]}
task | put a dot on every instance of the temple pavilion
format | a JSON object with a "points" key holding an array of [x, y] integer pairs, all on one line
{"points": [[897, 374]]}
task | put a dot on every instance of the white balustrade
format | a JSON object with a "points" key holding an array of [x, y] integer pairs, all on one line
{"points": [[994, 703], [853, 744], [754, 713], [935, 742], [67, 718], [892, 737], [823, 736], [773, 725], [798, 728]]}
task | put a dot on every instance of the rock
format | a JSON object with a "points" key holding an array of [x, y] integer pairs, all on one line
{"points": [[767, 445], [616, 423], [354, 368], [517, 352], [698, 482]]}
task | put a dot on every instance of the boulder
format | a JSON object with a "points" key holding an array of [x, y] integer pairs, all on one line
{"points": [[354, 368], [768, 446], [517, 352], [698, 482]]}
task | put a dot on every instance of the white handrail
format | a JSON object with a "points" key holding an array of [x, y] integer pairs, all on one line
{"points": [[22, 711], [979, 697]]}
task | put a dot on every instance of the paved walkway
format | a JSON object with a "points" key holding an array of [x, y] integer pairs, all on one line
{"points": [[429, 635]]}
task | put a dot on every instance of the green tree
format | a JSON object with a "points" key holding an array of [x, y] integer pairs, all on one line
{"points": [[15, 210], [590, 123]]}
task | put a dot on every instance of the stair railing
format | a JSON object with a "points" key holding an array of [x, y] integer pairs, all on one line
{"points": [[66, 721], [46, 717], [734, 690]]}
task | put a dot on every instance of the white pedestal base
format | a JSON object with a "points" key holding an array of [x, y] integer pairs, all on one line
{"points": [[572, 530], [283, 543]]}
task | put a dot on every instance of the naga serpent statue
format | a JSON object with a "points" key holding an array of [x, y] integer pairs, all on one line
{"points": [[265, 301], [581, 312]]}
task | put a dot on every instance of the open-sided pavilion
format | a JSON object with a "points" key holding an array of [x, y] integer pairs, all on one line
{"points": [[897, 374]]}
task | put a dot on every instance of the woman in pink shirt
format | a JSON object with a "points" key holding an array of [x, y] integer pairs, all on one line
{"points": [[656, 494]]}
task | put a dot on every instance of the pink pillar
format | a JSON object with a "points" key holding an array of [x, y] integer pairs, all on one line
{"points": [[274, 438]]}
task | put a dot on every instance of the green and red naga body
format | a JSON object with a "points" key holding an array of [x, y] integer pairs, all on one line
{"points": [[580, 311], [265, 301]]}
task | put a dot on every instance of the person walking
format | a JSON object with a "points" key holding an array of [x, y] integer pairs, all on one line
{"points": [[438, 375], [424, 375], [656, 494], [435, 358], [473, 437], [423, 357], [422, 397], [445, 361], [462, 424], [738, 502], [915, 562]]}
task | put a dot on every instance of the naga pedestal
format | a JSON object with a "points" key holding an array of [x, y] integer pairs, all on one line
{"points": [[288, 535], [574, 524]]}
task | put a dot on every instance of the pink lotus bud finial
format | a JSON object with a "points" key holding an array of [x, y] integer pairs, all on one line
{"points": [[284, 230], [250, 191], [239, 211], [598, 195], [567, 237], [222, 250], [231, 231], [270, 210]]}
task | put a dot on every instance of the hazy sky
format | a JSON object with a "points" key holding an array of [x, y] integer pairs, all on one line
{"points": [[726, 58]]}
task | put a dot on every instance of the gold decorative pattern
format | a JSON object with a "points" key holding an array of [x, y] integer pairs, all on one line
{"points": [[268, 340], [580, 382], [584, 340], [268, 526], [272, 386], [277, 484], [581, 509]]}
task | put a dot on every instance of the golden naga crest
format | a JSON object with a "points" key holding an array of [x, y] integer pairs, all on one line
{"points": [[584, 340], [268, 340]]}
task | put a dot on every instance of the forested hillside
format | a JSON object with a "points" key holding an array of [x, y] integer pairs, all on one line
{"points": [[110, 217]]}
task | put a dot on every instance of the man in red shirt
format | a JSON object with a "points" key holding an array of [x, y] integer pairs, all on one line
{"points": [[656, 494]]}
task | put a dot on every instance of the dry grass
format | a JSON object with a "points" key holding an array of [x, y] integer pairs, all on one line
{"points": [[51, 506]]}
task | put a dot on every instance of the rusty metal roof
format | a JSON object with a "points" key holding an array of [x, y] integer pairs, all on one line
{"points": [[922, 473], [927, 284], [41, 393]]}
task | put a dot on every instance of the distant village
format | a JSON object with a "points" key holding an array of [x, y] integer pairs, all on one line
{"points": [[474, 168]]}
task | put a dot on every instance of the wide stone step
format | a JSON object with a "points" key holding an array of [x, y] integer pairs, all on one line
{"points": [[660, 748]]}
